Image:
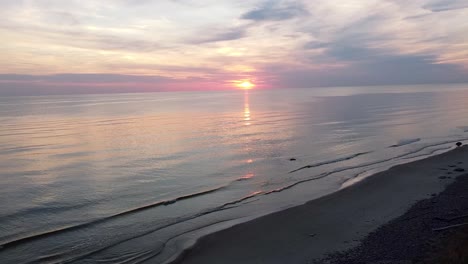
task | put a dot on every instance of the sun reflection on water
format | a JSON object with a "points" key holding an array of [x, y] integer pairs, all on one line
{"points": [[247, 115], [248, 176]]}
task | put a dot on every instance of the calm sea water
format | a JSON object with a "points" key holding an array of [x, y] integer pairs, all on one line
{"points": [[131, 178]]}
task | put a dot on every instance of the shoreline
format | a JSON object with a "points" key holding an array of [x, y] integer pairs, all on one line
{"points": [[432, 231], [333, 223]]}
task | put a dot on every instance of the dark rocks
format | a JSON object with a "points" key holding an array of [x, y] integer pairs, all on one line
{"points": [[459, 144], [292, 159], [459, 170]]}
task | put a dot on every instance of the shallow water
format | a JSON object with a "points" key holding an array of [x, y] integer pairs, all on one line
{"points": [[137, 177]]}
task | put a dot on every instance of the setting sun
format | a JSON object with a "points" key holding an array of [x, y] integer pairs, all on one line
{"points": [[246, 85]]}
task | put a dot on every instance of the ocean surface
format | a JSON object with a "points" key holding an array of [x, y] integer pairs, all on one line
{"points": [[135, 178]]}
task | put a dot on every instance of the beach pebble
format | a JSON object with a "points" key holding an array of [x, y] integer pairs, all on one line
{"points": [[292, 159], [459, 144], [459, 169]]}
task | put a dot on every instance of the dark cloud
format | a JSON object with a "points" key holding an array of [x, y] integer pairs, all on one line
{"points": [[22, 84], [168, 68], [82, 78], [441, 6], [368, 62], [355, 40], [18, 78], [373, 70], [351, 53], [402, 69], [315, 45], [274, 11], [28, 89]]}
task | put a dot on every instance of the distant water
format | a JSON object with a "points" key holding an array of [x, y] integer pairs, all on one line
{"points": [[130, 178]]}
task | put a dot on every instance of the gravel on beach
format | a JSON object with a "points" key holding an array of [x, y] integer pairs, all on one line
{"points": [[418, 236]]}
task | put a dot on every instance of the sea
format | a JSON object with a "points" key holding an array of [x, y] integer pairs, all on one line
{"points": [[140, 177]]}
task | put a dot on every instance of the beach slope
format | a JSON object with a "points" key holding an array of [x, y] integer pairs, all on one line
{"points": [[332, 223]]}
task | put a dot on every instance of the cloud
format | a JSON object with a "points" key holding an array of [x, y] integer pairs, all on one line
{"points": [[61, 18], [273, 10], [86, 39], [281, 43], [109, 42], [208, 36]]}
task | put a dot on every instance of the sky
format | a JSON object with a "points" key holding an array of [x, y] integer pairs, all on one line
{"points": [[84, 46]]}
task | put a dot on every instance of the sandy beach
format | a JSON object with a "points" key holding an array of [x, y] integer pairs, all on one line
{"points": [[316, 231]]}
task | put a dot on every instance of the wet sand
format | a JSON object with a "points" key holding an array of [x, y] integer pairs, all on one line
{"points": [[335, 223]]}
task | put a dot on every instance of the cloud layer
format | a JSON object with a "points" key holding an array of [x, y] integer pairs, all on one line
{"points": [[141, 45]]}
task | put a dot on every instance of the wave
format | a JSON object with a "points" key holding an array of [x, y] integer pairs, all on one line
{"points": [[224, 206], [331, 161], [429, 153], [179, 220], [47, 208], [143, 256], [464, 128], [101, 220], [326, 174], [353, 178], [404, 142], [146, 255]]}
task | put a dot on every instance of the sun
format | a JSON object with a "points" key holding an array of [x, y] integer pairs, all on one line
{"points": [[246, 85]]}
